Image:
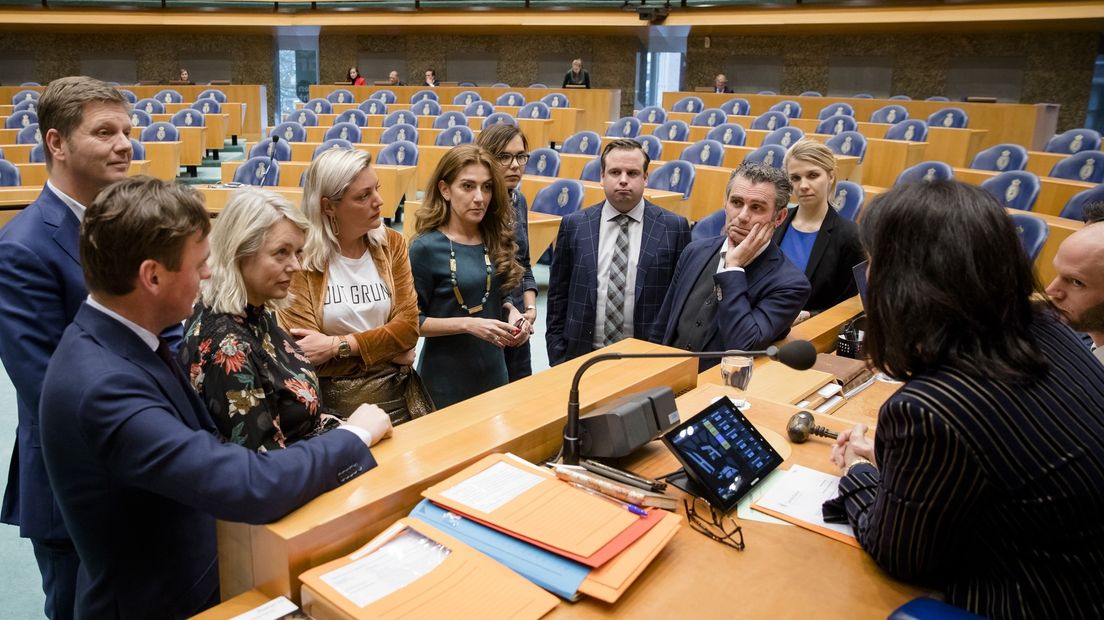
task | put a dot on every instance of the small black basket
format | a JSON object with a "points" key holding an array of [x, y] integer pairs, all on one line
{"points": [[851, 340]]}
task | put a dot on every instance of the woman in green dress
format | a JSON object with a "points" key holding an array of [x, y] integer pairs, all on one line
{"points": [[464, 263]]}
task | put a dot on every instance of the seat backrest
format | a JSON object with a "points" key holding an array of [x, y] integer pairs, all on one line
{"points": [[400, 117], [1015, 189], [426, 107], [450, 119], [38, 154], [582, 143], [1086, 166], [400, 153], [652, 145], [207, 105], [459, 134], [468, 84], [150, 106], [789, 107], [332, 143], [949, 117], [728, 134], [624, 127], [1075, 205], [139, 118], [709, 226], [500, 85], [30, 105], [538, 85], [466, 98], [737, 106], [188, 118], [555, 100], [926, 172], [543, 162], [305, 117], [400, 132], [1001, 158], [25, 95], [160, 132], [318, 105], [479, 108], [560, 197], [651, 114], [372, 106], [535, 109], [424, 94], [850, 143], [1074, 141], [913, 130], [769, 121], [19, 120], [345, 131], [290, 131], [710, 117], [592, 171], [498, 118], [130, 96], [1033, 233], [9, 174], [29, 135], [674, 176], [810, 93], [937, 98], [862, 96], [766, 92], [891, 114], [784, 137], [690, 104], [834, 125], [280, 151], [901, 98], [169, 95], [356, 117], [675, 130], [512, 98], [704, 152], [341, 95], [213, 93], [384, 95], [836, 109], [258, 171], [768, 155], [848, 199]]}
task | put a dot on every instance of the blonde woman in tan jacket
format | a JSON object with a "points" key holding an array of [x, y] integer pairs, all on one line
{"points": [[354, 311]]}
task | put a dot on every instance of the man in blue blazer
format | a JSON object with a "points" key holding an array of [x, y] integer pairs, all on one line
{"points": [[134, 458], [85, 126], [736, 291], [613, 262]]}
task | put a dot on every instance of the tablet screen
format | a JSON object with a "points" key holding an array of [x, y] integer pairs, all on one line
{"points": [[722, 452]]}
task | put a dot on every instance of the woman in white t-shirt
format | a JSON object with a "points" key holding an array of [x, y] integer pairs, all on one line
{"points": [[354, 310]]}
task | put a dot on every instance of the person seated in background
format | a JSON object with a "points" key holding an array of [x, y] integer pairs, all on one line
{"points": [[577, 76], [814, 237], [1078, 288], [354, 77], [135, 460], [985, 477], [720, 84], [353, 305], [393, 79], [737, 290], [1093, 212], [184, 77], [431, 78]]}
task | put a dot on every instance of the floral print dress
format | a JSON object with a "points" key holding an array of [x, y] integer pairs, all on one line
{"points": [[260, 389]]}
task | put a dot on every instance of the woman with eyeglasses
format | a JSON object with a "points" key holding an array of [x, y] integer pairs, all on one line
{"points": [[464, 261], [510, 149]]}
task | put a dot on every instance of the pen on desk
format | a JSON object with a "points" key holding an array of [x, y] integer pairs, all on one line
{"points": [[633, 508]]}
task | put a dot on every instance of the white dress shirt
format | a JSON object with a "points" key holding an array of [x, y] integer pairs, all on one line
{"points": [[724, 252], [607, 240], [74, 206]]}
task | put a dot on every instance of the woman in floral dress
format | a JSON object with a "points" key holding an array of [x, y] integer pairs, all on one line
{"points": [[260, 389]]}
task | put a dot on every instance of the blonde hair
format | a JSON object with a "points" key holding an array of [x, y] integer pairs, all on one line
{"points": [[497, 226], [816, 153], [239, 233], [328, 176]]}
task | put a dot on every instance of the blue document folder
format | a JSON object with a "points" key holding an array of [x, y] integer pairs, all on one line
{"points": [[552, 572]]}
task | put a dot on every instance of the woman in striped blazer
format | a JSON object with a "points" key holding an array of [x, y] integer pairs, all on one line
{"points": [[985, 477]]}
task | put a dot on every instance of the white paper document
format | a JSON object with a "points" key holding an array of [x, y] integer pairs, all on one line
{"points": [[800, 493], [493, 487], [393, 565], [272, 610], [743, 509]]}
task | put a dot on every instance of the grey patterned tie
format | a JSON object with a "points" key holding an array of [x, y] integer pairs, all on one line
{"points": [[615, 289]]}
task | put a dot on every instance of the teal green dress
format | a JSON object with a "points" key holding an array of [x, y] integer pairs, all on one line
{"points": [[460, 366]]}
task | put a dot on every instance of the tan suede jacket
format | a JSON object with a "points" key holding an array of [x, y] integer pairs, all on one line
{"points": [[399, 334]]}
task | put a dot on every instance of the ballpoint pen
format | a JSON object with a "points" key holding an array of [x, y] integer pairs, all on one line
{"points": [[633, 508]]}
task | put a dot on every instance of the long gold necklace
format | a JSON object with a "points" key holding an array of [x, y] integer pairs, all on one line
{"points": [[456, 284]]}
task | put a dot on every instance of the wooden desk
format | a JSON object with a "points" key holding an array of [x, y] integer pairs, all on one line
{"points": [[164, 158], [885, 159], [215, 197], [18, 197], [35, 174], [1041, 162]]}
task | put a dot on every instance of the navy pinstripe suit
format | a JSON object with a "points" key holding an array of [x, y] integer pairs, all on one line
{"points": [[573, 283], [993, 492]]}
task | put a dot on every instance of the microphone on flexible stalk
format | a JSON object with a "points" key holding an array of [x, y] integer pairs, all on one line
{"points": [[271, 157]]}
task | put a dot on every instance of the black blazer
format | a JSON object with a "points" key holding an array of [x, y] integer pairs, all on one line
{"points": [[835, 253]]}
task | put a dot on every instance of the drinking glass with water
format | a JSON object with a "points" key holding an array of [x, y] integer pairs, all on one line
{"points": [[736, 373]]}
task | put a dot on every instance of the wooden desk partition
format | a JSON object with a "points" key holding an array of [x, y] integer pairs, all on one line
{"points": [[35, 174], [525, 417]]}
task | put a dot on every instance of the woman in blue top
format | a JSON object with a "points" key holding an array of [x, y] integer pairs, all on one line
{"points": [[814, 237]]}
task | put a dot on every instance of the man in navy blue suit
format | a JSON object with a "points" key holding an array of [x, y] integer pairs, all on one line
{"points": [[85, 128], [613, 261], [134, 458], [737, 290]]}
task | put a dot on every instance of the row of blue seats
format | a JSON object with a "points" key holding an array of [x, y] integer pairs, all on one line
{"points": [[9, 172], [168, 95], [892, 113], [342, 96]]}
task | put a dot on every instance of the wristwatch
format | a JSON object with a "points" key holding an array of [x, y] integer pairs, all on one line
{"points": [[343, 348]]}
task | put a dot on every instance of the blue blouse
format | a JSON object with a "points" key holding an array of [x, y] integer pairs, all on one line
{"points": [[797, 246]]}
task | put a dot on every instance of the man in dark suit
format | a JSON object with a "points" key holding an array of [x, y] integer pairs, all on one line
{"points": [[134, 458], [736, 291], [85, 126], [613, 261], [720, 84]]}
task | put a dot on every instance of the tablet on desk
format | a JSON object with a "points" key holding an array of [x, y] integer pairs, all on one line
{"points": [[723, 454]]}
